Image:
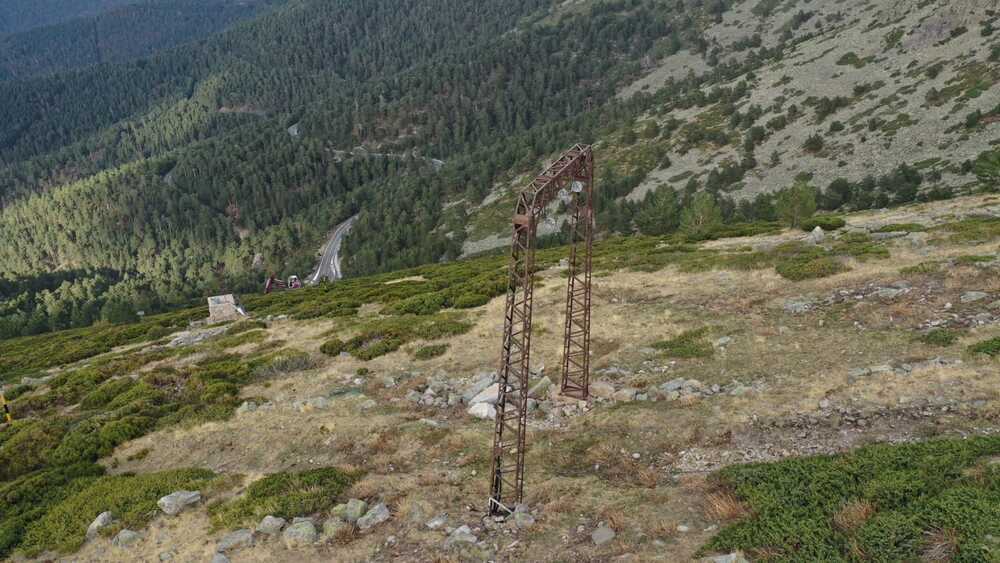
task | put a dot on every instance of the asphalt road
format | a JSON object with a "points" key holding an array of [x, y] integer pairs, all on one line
{"points": [[329, 264]]}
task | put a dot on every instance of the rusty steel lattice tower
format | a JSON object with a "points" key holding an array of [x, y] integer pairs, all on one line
{"points": [[571, 179]]}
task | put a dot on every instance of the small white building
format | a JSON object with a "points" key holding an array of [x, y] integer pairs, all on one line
{"points": [[224, 308]]}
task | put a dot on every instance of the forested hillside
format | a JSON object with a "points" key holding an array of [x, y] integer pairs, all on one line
{"points": [[20, 15], [202, 168], [120, 34], [178, 170]]}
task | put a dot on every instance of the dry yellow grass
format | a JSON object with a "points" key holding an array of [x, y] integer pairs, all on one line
{"points": [[853, 515]]}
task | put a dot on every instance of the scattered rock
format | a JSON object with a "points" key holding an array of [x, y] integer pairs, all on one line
{"points": [[103, 519], [817, 236], [315, 403], [246, 407], [973, 296], [174, 503], [333, 526], [541, 387], [602, 389], [483, 410], [190, 338], [437, 522], [482, 382], [880, 370], [625, 395], [299, 534], [36, 381], [233, 541], [375, 516], [126, 538], [683, 529], [889, 236], [490, 395], [461, 535], [523, 520], [602, 535], [271, 525], [724, 341], [220, 558], [799, 305], [354, 510], [735, 557], [889, 293]]}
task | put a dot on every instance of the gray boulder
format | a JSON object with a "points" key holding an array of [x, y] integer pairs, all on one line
{"points": [[625, 395], [817, 236], [300, 534], [437, 522], [174, 503], [482, 382], [375, 516], [333, 525], [126, 538], [973, 296], [103, 519], [602, 535], [271, 525], [540, 387], [354, 510], [489, 395], [485, 411], [602, 389], [735, 557], [233, 541], [220, 558], [523, 520], [461, 535], [890, 235]]}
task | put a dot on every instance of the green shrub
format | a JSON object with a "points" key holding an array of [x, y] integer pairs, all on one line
{"points": [[901, 228], [16, 391], [286, 495], [971, 260], [989, 347], [689, 344], [131, 498], [106, 392], [285, 362], [431, 351], [27, 445], [921, 268], [940, 337], [825, 222], [915, 489], [807, 267], [891, 535], [333, 347], [424, 304], [977, 229], [245, 325], [157, 332], [470, 300]]}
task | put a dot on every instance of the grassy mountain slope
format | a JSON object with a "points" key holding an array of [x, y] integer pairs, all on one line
{"points": [[715, 357], [859, 89]]}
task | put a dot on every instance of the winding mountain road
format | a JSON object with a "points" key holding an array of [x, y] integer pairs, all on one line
{"points": [[329, 264]]}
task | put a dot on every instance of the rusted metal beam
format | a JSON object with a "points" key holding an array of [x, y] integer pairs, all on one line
{"points": [[573, 175]]}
